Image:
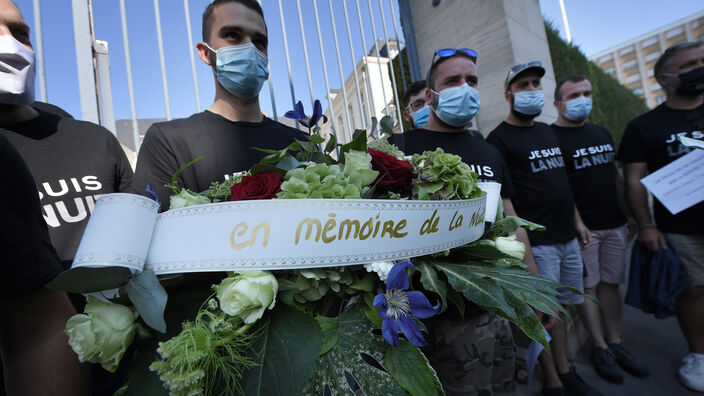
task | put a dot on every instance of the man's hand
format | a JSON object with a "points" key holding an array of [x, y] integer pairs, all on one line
{"points": [[652, 239], [632, 228], [584, 235]]}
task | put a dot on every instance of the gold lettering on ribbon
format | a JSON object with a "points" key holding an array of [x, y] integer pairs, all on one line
{"points": [[430, 225], [456, 222], [241, 228], [310, 223]]}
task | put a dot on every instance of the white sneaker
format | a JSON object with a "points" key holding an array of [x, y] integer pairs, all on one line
{"points": [[691, 373]]}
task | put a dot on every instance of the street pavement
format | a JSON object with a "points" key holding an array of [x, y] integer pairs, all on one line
{"points": [[657, 342]]}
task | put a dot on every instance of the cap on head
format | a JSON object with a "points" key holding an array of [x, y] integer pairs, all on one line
{"points": [[520, 68]]}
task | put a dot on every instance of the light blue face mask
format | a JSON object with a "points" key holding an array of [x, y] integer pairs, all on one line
{"points": [[241, 69], [457, 105], [528, 102], [578, 109], [420, 117]]}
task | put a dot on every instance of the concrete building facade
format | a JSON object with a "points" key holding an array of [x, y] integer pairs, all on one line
{"points": [[632, 62]]}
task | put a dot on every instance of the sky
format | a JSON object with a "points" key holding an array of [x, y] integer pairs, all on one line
{"points": [[595, 25]]}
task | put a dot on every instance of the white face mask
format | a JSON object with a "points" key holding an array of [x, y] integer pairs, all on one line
{"points": [[16, 72]]}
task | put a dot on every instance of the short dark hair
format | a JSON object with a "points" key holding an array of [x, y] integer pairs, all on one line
{"points": [[670, 52], [575, 78], [434, 67], [208, 13], [413, 89]]}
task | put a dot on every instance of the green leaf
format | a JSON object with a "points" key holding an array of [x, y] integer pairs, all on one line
{"points": [[285, 353], [288, 163], [345, 359], [88, 280], [411, 370], [332, 143], [527, 321], [483, 291], [330, 335], [173, 186], [317, 139], [372, 130], [262, 168], [481, 250], [431, 282], [387, 124], [511, 223], [358, 143], [456, 298], [149, 297]]}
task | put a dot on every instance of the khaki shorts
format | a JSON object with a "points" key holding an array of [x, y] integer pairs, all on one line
{"points": [[690, 249], [605, 259], [473, 356]]}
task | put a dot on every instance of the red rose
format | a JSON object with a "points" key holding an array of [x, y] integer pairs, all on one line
{"points": [[260, 186], [394, 175]]}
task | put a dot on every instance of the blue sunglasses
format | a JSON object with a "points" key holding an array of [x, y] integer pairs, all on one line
{"points": [[448, 52]]}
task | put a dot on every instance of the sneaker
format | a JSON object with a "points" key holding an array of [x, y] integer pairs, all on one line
{"points": [[575, 384], [605, 364], [692, 372], [628, 362], [554, 392]]}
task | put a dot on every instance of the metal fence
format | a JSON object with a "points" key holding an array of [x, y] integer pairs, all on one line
{"points": [[359, 99]]}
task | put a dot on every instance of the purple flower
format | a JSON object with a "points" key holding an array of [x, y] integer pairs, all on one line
{"points": [[398, 307], [299, 115]]}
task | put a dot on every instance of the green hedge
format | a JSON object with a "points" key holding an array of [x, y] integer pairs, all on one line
{"points": [[614, 104]]}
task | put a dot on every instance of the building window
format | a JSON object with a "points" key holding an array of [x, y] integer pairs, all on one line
{"points": [[638, 91], [630, 64], [610, 71], [632, 78], [649, 42], [655, 86], [606, 58], [651, 56], [626, 51], [674, 32], [353, 119], [660, 99]]}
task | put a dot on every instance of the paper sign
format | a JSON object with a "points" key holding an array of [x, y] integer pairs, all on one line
{"points": [[493, 195], [680, 184]]}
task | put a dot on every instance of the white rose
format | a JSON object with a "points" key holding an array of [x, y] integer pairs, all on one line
{"points": [[509, 245], [247, 294], [187, 198]]}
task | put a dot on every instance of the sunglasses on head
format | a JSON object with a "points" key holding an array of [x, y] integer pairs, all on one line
{"points": [[448, 52]]}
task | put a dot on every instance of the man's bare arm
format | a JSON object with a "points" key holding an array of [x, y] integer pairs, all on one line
{"points": [[637, 197]]}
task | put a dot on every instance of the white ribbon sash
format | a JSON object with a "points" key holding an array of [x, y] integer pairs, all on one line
{"points": [[125, 230]]}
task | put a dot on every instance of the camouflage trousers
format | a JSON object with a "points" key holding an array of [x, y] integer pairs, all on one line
{"points": [[473, 356]]}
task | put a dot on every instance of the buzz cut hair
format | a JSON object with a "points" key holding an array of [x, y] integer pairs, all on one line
{"points": [[574, 78], [432, 73], [413, 89], [208, 13]]}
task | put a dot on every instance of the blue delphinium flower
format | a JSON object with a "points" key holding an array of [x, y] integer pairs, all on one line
{"points": [[299, 114], [398, 307]]}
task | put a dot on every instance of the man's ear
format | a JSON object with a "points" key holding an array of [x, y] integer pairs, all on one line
{"points": [[406, 116], [204, 53], [428, 96], [507, 96]]}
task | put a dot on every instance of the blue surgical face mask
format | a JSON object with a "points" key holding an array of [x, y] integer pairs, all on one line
{"points": [[241, 69], [528, 102], [420, 117], [578, 109], [457, 105]]}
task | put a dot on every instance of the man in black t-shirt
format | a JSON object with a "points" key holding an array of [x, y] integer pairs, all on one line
{"points": [[460, 348], [36, 356], [649, 143], [543, 195], [234, 45], [588, 151]]}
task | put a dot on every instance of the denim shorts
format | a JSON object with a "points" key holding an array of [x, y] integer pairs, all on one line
{"points": [[562, 262]]}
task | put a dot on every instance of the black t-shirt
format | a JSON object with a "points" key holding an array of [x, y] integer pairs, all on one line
{"points": [[482, 157], [588, 152], [652, 138], [538, 174], [73, 163], [228, 147], [27, 259]]}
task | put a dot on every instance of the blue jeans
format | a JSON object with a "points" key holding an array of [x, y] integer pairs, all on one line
{"points": [[562, 262]]}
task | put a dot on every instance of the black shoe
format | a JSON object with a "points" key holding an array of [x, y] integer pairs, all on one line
{"points": [[605, 364], [630, 363], [575, 384], [554, 392]]}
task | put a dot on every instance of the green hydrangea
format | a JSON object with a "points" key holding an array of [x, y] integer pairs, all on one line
{"points": [[314, 283], [443, 176], [348, 181], [384, 146]]}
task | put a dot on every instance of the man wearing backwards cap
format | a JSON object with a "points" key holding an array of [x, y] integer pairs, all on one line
{"points": [[537, 170]]}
